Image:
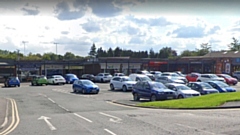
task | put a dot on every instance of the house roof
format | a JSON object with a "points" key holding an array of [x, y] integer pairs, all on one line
{"points": [[226, 54]]}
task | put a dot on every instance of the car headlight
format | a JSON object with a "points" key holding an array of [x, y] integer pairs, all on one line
{"points": [[224, 89], [188, 95], [129, 84]]}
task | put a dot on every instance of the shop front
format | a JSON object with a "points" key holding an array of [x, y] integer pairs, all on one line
{"points": [[6, 69]]}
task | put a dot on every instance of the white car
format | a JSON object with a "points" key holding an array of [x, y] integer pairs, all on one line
{"points": [[182, 91], [103, 77], [209, 77], [122, 82], [56, 79]]}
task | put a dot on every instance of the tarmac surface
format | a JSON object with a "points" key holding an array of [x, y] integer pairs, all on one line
{"points": [[3, 107]]}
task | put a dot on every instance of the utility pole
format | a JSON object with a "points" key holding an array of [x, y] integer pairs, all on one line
{"points": [[24, 42], [56, 46]]}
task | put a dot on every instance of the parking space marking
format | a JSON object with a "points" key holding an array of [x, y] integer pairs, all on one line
{"points": [[51, 100], [182, 125], [82, 117], [110, 132]]}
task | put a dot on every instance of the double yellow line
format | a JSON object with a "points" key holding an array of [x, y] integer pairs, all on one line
{"points": [[15, 119]]}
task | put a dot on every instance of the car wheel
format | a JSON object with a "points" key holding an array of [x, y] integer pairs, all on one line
{"points": [[111, 87], [97, 92], [153, 98], [180, 97], [18, 85], [136, 97], [124, 88], [74, 91], [102, 81], [198, 80], [83, 91]]}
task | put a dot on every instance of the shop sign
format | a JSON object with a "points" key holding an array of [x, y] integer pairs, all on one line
{"points": [[53, 66], [75, 67], [33, 66], [195, 62]]}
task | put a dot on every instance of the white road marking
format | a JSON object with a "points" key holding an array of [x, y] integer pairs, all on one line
{"points": [[195, 128], [63, 108], [48, 122], [110, 132], [82, 117], [51, 100], [115, 119], [6, 117]]}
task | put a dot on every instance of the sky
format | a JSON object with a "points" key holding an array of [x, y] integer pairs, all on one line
{"points": [[61, 26]]}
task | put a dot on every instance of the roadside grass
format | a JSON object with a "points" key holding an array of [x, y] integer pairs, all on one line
{"points": [[211, 100]]}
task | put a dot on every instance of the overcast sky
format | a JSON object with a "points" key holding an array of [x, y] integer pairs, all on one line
{"points": [[130, 24]]}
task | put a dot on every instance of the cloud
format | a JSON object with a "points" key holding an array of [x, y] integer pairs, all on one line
{"points": [[64, 32], [213, 30], [130, 30], [136, 40], [104, 8], [91, 26], [188, 32], [64, 12], [30, 10], [9, 28], [160, 21]]}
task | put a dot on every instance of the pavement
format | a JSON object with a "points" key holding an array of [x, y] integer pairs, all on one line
{"points": [[3, 106]]}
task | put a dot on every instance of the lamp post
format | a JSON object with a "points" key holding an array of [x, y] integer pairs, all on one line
{"points": [[56, 46], [24, 42]]}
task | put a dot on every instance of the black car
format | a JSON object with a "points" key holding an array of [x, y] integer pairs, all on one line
{"points": [[89, 77], [202, 87]]}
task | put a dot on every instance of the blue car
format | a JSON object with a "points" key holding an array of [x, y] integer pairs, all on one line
{"points": [[85, 86], [221, 86], [12, 81], [202, 87], [70, 78], [152, 90]]}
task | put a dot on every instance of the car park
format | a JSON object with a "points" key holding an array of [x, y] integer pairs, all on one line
{"points": [[39, 80], [145, 72], [139, 77], [169, 79], [236, 74], [119, 74], [156, 74], [192, 77], [85, 86], [182, 91], [12, 81], [152, 90], [56, 79], [202, 87], [90, 77], [209, 77], [221, 86], [122, 82], [175, 75], [228, 79], [70, 78], [103, 77]]}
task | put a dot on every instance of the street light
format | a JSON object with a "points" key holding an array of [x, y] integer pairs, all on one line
{"points": [[24, 42], [56, 46]]}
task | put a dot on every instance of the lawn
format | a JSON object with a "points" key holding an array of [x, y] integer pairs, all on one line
{"points": [[211, 100]]}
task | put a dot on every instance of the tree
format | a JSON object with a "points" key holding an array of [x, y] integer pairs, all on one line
{"points": [[151, 53], [117, 52], [69, 56], [167, 52], [110, 52], [234, 46], [93, 52], [205, 49]]}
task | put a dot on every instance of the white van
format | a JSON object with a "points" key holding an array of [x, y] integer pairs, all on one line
{"points": [[139, 77]]}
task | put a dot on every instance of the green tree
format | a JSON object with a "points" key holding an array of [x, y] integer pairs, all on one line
{"points": [[117, 52], [234, 46], [69, 56], [152, 53], [93, 52]]}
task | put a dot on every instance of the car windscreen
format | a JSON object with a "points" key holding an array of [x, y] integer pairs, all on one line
{"points": [[183, 87], [213, 76], [145, 72], [106, 74], [157, 85], [43, 77], [222, 85], [227, 76], [86, 82], [206, 86], [146, 79], [126, 79]]}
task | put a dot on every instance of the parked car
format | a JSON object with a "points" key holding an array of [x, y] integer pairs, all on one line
{"points": [[236, 74], [221, 86], [175, 75], [152, 90], [56, 79], [145, 72], [103, 77], [85, 86], [180, 73], [122, 82], [228, 79], [39, 80], [156, 74], [70, 78], [12, 81], [139, 77], [169, 79], [119, 74], [90, 77], [209, 77], [183, 91], [192, 77], [202, 87]]}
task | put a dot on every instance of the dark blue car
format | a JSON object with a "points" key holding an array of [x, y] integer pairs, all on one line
{"points": [[152, 90], [12, 81], [221, 86], [70, 78], [85, 86], [202, 87]]}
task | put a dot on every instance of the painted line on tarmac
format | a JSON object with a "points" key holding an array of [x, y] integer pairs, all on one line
{"points": [[51, 100], [86, 119], [63, 108], [110, 132], [6, 116], [15, 119]]}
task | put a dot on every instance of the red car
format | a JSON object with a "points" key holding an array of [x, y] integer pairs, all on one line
{"points": [[192, 77], [228, 79]]}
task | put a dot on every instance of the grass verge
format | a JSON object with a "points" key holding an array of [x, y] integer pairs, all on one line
{"points": [[211, 100]]}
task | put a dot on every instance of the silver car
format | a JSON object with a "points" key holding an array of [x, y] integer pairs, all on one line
{"points": [[169, 79]]}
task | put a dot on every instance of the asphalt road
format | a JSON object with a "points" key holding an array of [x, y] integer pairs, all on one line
{"points": [[45, 110]]}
